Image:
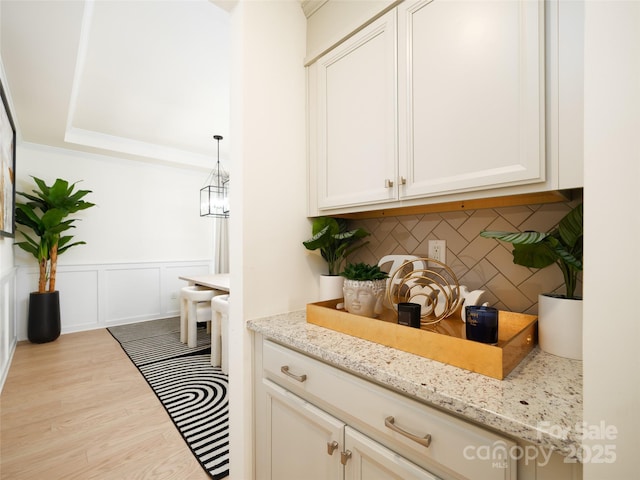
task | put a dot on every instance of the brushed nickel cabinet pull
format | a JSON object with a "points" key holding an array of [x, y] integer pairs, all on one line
{"points": [[345, 456], [389, 422], [285, 369], [388, 183], [331, 447]]}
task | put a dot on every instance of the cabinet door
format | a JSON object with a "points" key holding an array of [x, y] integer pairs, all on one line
{"points": [[471, 96], [357, 117], [368, 460], [298, 440]]}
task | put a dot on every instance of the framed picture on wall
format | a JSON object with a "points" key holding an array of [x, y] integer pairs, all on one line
{"points": [[7, 174]]}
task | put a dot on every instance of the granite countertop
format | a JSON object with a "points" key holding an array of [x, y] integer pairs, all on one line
{"points": [[540, 401]]}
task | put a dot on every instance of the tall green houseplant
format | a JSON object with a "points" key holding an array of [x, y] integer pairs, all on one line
{"points": [[44, 218]]}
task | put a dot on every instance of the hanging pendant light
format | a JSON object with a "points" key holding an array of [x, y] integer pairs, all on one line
{"points": [[214, 196]]}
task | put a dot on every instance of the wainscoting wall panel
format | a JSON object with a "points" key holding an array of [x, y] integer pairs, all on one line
{"points": [[171, 302], [103, 295], [79, 308], [7, 322], [131, 293]]}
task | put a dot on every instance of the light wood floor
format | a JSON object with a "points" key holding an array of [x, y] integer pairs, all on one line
{"points": [[77, 408]]}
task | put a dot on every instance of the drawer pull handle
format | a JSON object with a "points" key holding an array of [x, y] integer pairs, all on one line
{"points": [[331, 447], [345, 456], [390, 423], [300, 378]]}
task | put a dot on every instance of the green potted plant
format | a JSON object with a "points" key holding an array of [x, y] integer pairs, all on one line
{"points": [[559, 316], [44, 218], [363, 289], [335, 242]]}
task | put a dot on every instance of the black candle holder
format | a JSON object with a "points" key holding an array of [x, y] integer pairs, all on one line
{"points": [[482, 324], [409, 314]]}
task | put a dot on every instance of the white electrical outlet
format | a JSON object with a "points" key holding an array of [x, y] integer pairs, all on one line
{"points": [[438, 251]]}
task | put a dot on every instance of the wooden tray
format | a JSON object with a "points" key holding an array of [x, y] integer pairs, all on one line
{"points": [[446, 342]]}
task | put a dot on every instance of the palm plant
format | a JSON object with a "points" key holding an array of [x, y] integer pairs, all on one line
{"points": [[335, 242], [562, 246], [44, 214]]}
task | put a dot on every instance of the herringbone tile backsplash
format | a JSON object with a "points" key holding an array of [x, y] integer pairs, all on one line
{"points": [[479, 263]]}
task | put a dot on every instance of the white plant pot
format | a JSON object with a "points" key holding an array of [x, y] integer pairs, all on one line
{"points": [[330, 287], [364, 297], [560, 326]]}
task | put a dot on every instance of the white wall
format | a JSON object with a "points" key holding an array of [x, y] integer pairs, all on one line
{"points": [[144, 212], [269, 273], [8, 329], [611, 285], [145, 226]]}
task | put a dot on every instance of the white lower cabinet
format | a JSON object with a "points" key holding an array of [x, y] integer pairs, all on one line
{"points": [[315, 421], [365, 459], [304, 442]]}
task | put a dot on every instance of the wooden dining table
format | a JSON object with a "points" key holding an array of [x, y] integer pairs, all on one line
{"points": [[217, 281]]}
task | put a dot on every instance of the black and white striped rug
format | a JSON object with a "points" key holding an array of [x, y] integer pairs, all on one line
{"points": [[192, 391]]}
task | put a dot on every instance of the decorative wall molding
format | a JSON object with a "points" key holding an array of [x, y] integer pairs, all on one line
{"points": [[309, 7], [8, 331], [103, 295]]}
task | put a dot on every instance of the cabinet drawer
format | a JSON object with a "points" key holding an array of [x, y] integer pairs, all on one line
{"points": [[454, 449]]}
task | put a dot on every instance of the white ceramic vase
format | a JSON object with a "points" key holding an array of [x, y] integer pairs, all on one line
{"points": [[560, 326], [330, 287]]}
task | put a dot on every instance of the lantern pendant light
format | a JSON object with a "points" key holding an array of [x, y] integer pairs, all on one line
{"points": [[214, 196]]}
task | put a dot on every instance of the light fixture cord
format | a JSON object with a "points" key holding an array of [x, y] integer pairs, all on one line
{"points": [[215, 173], [218, 176]]}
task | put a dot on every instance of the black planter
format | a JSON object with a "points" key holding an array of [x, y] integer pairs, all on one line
{"points": [[44, 317]]}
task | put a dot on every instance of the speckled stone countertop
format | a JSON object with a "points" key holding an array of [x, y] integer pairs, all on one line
{"points": [[540, 401]]}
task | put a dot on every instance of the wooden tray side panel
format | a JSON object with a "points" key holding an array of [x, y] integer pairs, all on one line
{"points": [[519, 347]]}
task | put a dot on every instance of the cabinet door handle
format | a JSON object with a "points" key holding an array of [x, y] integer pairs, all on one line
{"points": [[332, 447], [389, 422], [285, 369], [388, 183], [403, 181], [345, 456]]}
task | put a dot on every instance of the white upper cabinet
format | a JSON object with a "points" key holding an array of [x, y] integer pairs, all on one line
{"points": [[356, 118], [471, 95], [448, 100]]}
